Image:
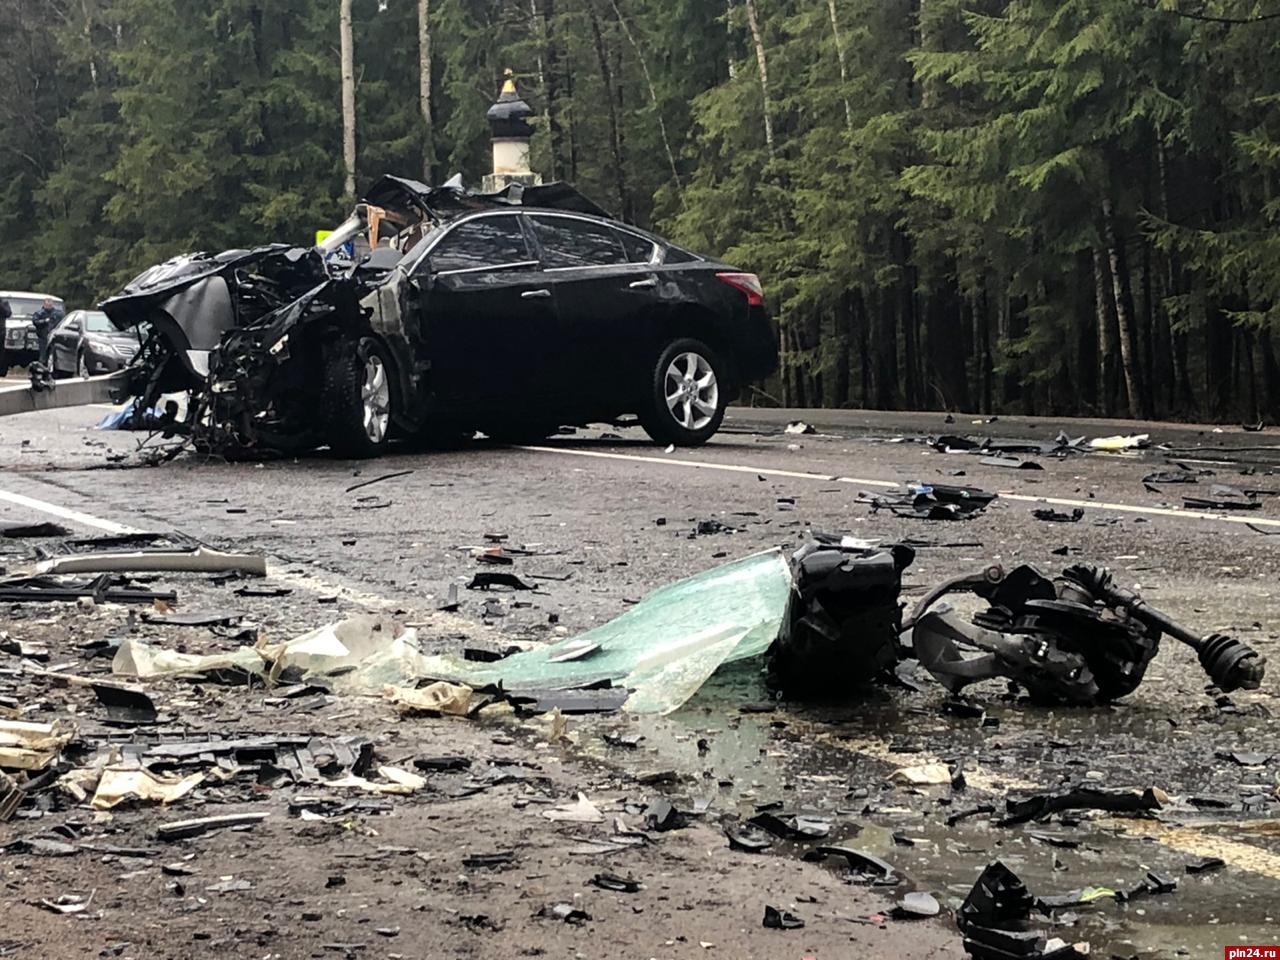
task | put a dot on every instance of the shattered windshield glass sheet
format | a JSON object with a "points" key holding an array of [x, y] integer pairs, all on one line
{"points": [[662, 649]]}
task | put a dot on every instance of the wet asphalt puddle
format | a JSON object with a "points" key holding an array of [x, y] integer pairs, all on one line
{"points": [[835, 765]]}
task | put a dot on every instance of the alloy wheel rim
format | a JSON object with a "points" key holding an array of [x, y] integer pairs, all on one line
{"points": [[375, 397], [691, 391]]}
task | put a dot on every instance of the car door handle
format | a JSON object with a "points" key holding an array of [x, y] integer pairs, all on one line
{"points": [[535, 294], [643, 284]]}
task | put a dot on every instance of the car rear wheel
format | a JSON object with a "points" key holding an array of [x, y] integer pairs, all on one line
{"points": [[687, 395], [356, 398]]}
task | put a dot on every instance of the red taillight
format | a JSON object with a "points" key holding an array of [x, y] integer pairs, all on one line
{"points": [[748, 283]]}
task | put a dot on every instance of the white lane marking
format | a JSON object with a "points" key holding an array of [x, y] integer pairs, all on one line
{"points": [[883, 484], [302, 581], [709, 465], [62, 513]]}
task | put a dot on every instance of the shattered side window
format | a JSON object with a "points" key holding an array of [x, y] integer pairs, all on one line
{"points": [[570, 242], [639, 249], [485, 242]]}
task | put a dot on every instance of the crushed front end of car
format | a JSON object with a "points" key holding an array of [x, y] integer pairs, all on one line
{"points": [[253, 337], [282, 349]]}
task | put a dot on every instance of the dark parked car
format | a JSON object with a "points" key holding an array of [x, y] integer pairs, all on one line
{"points": [[86, 344], [433, 311]]}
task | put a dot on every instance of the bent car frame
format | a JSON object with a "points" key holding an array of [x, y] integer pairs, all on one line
{"points": [[433, 312]]}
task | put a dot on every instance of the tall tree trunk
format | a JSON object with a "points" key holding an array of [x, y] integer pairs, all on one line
{"points": [[844, 73], [348, 97], [1270, 374], [1104, 306], [728, 23], [424, 89], [762, 65], [1128, 351], [984, 357], [864, 347], [845, 332], [653, 93], [885, 349], [615, 136], [551, 87], [1086, 343]]}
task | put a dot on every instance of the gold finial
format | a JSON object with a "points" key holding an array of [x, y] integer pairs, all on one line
{"points": [[509, 84]]}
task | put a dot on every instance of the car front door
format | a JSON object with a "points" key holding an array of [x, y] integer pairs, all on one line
{"points": [[605, 290], [485, 311], [64, 342]]}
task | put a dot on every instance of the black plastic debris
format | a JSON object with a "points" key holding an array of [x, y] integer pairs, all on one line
{"points": [[210, 618], [597, 698], [488, 861], [627, 741], [934, 502], [31, 531], [983, 810], [1153, 884], [747, 841], [611, 881], [1171, 476], [1049, 515], [1223, 497], [565, 912], [994, 919], [249, 590], [1011, 463], [448, 764], [843, 618], [1082, 798], [775, 919], [385, 476], [103, 588], [661, 815], [792, 827], [863, 867], [126, 706], [1245, 758], [916, 906], [707, 528], [999, 898], [1207, 865], [488, 579]]}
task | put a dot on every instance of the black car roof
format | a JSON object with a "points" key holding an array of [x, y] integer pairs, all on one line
{"points": [[449, 202]]}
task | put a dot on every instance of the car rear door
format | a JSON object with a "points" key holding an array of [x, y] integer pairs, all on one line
{"points": [[485, 312], [605, 290]]}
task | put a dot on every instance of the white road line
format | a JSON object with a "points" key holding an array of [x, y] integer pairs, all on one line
{"points": [[888, 485], [302, 581], [62, 513]]}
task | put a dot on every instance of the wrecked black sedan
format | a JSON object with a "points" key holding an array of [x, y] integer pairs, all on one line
{"points": [[433, 312]]}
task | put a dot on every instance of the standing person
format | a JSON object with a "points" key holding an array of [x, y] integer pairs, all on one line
{"points": [[44, 320], [5, 313]]}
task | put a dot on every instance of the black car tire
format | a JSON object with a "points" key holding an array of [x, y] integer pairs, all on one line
{"points": [[657, 417], [348, 371]]}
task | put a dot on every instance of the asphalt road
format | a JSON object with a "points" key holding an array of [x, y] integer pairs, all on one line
{"points": [[610, 517]]}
